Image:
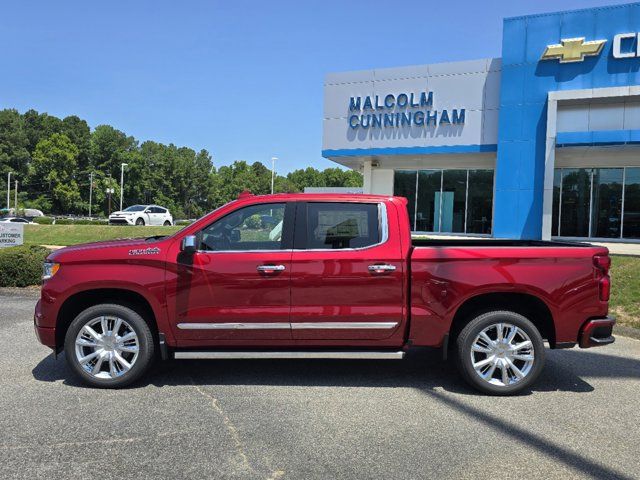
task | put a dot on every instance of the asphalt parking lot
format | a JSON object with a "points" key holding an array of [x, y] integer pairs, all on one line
{"points": [[313, 419]]}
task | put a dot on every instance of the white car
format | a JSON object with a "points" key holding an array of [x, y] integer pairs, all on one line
{"points": [[16, 220], [142, 215]]}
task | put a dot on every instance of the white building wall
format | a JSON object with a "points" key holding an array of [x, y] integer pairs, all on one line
{"points": [[382, 181], [473, 86]]}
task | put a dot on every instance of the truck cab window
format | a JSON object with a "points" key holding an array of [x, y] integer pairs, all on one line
{"points": [[256, 227], [342, 225]]}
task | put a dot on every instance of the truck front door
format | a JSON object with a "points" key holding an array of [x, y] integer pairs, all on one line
{"points": [[347, 279], [236, 287]]}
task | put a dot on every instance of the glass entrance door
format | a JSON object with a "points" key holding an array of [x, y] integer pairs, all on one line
{"points": [[597, 202]]}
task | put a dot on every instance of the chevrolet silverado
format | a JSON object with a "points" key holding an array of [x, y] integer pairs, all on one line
{"points": [[321, 276]]}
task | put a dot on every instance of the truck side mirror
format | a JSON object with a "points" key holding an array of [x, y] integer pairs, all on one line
{"points": [[188, 244]]}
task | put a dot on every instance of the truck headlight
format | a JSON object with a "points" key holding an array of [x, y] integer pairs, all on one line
{"points": [[49, 269]]}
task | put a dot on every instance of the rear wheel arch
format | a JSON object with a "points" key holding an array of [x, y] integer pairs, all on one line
{"points": [[80, 301], [529, 306]]}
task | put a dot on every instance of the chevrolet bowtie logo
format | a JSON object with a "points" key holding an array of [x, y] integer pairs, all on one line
{"points": [[573, 50]]}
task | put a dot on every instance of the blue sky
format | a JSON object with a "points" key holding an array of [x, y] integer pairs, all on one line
{"points": [[241, 79]]}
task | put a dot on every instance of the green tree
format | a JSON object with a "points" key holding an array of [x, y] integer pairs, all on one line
{"points": [[53, 159], [54, 167], [109, 148], [79, 133], [231, 181], [309, 177], [39, 126], [336, 177], [14, 144]]}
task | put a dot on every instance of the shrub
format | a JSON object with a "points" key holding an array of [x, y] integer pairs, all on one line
{"points": [[43, 220], [81, 221], [182, 222], [21, 266]]}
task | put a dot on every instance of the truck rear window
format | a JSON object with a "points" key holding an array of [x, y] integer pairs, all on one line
{"points": [[342, 225]]}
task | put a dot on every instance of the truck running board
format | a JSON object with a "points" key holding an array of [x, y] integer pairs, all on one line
{"points": [[349, 355]]}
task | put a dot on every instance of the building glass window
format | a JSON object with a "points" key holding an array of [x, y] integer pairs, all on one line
{"points": [[606, 210], [555, 215], [480, 202], [404, 185], [451, 201], [631, 214], [574, 205], [596, 202], [428, 206], [454, 199]]}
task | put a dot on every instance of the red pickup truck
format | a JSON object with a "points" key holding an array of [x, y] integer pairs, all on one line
{"points": [[321, 276]]}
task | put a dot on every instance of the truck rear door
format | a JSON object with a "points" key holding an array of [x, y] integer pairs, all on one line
{"points": [[347, 278]]}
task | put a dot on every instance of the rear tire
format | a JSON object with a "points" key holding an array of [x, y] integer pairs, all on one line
{"points": [[140, 222], [500, 353], [167, 223], [109, 346]]}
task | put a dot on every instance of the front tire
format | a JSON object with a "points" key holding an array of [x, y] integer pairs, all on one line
{"points": [[500, 353], [140, 222], [109, 346]]}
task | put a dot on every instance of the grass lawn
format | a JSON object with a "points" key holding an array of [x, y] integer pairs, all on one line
{"points": [[73, 234], [625, 290]]}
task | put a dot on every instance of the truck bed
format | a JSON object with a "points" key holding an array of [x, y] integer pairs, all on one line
{"points": [[444, 273]]}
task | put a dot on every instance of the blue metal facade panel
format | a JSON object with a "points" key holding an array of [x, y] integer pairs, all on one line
{"points": [[596, 138], [526, 82], [444, 149]]}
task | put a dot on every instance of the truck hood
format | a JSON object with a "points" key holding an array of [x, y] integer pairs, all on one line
{"points": [[109, 250]]}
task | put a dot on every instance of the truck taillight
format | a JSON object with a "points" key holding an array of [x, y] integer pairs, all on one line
{"points": [[604, 288], [602, 263]]}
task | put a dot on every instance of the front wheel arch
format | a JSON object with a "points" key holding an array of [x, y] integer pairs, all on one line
{"points": [[80, 301]]}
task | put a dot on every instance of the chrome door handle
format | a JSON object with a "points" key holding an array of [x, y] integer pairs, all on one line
{"points": [[270, 268], [385, 268]]}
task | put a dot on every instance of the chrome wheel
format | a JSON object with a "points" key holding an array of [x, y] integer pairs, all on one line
{"points": [[107, 347], [502, 354]]}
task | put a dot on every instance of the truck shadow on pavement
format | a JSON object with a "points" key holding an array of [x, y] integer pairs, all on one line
{"points": [[422, 369]]}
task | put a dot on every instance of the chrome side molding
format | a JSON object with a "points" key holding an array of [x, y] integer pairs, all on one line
{"points": [[234, 326], [353, 355], [293, 326], [342, 325]]}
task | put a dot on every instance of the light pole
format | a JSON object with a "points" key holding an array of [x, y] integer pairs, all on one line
{"points": [[90, 191], [273, 172], [122, 182], [15, 211], [8, 190], [109, 193]]}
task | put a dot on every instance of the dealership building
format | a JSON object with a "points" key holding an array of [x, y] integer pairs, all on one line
{"points": [[541, 143]]}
